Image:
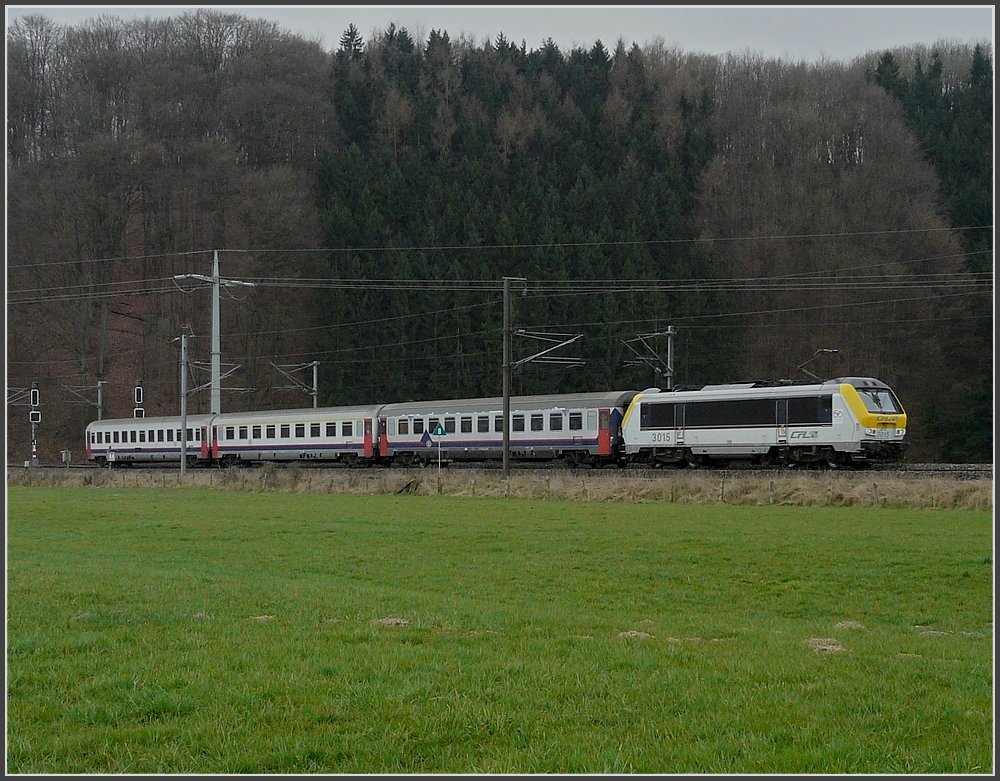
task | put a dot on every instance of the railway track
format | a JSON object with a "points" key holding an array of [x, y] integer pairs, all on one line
{"points": [[954, 471]]}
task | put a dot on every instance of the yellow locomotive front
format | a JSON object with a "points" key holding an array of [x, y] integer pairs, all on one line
{"points": [[880, 418]]}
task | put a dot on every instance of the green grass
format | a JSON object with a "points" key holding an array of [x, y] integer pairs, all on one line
{"points": [[198, 631]]}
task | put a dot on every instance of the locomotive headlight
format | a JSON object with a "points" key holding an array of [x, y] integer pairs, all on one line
{"points": [[900, 432], [870, 432]]}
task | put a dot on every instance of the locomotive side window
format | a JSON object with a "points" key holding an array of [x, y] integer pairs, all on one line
{"points": [[537, 422], [656, 415], [555, 421], [726, 414], [518, 423], [810, 410], [576, 421]]}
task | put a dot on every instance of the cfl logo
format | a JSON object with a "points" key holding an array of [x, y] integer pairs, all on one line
{"points": [[805, 435]]}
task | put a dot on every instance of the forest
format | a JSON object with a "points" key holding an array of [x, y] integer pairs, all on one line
{"points": [[376, 194]]}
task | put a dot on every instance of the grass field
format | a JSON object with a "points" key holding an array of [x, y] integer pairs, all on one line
{"points": [[205, 631]]}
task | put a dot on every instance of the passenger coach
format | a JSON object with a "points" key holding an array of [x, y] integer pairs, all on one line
{"points": [[582, 428]]}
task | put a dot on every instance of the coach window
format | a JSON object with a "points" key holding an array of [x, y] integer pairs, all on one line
{"points": [[466, 425], [255, 432], [591, 420], [498, 423], [243, 432], [314, 430], [518, 423], [418, 425], [286, 431], [432, 424], [403, 426], [483, 424], [449, 425], [576, 421], [347, 428], [300, 430], [190, 434], [151, 435], [230, 432], [132, 436], [170, 435], [269, 432], [159, 435], [555, 421], [331, 429], [537, 422]]}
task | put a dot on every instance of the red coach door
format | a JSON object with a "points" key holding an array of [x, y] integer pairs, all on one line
{"points": [[604, 432], [383, 437], [369, 449]]}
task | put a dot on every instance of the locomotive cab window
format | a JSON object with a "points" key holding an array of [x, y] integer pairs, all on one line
{"points": [[879, 400]]}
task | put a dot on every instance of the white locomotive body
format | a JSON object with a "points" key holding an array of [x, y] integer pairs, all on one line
{"points": [[848, 420]]}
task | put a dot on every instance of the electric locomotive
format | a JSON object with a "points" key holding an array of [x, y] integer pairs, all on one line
{"points": [[845, 421]]}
